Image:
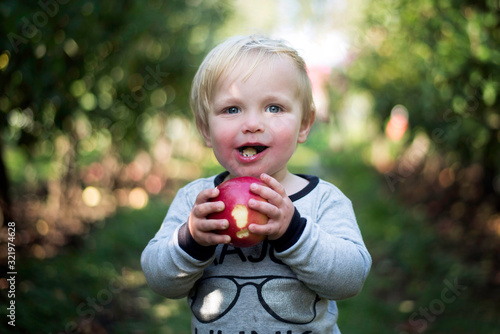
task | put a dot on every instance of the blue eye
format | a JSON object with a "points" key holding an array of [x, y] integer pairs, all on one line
{"points": [[232, 110], [273, 109]]}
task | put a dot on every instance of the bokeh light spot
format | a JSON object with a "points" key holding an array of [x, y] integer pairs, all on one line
{"points": [[77, 88], [88, 101], [158, 98], [153, 184], [91, 196], [42, 227], [38, 252], [138, 198], [71, 47], [398, 123], [4, 61]]}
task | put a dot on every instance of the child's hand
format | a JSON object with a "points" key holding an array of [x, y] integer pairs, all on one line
{"points": [[279, 208], [200, 227]]}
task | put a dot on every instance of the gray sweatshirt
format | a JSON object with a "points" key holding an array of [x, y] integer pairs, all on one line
{"points": [[284, 286]]}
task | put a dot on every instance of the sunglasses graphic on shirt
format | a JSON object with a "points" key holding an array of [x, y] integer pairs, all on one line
{"points": [[215, 296]]}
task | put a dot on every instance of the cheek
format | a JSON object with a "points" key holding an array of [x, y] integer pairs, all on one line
{"points": [[216, 133], [285, 130], [222, 139], [285, 142]]}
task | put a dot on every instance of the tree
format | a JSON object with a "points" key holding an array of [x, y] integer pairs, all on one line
{"points": [[79, 79], [440, 59]]}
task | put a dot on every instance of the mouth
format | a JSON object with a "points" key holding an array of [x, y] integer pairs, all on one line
{"points": [[250, 151]]}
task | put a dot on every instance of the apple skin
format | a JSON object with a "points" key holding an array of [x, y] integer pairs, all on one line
{"points": [[235, 193]]}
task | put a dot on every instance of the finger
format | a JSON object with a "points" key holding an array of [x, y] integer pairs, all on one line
{"points": [[214, 238], [267, 208], [204, 209], [266, 229], [209, 225], [210, 238], [219, 238], [206, 195], [267, 193], [273, 184]]}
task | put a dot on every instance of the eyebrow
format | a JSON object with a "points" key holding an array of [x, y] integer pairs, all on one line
{"points": [[267, 98]]}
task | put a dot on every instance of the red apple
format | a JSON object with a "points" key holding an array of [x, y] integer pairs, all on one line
{"points": [[235, 193]]}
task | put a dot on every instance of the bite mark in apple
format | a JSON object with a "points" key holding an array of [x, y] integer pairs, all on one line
{"points": [[240, 214]]}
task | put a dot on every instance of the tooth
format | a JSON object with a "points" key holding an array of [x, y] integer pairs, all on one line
{"points": [[249, 151]]}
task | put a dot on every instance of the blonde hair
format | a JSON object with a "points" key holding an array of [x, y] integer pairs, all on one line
{"points": [[225, 57]]}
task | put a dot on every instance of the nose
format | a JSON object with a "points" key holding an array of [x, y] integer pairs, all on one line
{"points": [[253, 122]]}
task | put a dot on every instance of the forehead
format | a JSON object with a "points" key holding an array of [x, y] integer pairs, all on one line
{"points": [[258, 66], [270, 81]]}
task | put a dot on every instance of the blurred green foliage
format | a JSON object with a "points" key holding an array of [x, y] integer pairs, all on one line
{"points": [[97, 286], [412, 265], [85, 87], [441, 60], [82, 79], [82, 82]]}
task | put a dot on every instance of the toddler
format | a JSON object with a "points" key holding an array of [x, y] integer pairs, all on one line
{"points": [[253, 105]]}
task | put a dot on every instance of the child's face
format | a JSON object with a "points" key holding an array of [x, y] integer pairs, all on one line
{"points": [[255, 124]]}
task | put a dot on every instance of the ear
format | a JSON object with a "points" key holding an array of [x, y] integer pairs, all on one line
{"points": [[305, 128]]}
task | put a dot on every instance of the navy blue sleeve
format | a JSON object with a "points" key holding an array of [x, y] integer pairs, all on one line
{"points": [[292, 234], [190, 246]]}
